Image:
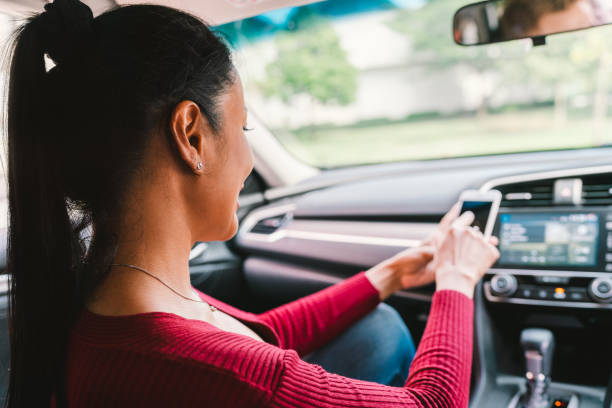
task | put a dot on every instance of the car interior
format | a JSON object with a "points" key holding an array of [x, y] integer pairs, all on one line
{"points": [[422, 100]]}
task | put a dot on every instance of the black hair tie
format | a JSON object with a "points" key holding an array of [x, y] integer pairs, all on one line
{"points": [[65, 29]]}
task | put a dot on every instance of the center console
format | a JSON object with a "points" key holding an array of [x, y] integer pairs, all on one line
{"points": [[552, 285], [553, 257]]}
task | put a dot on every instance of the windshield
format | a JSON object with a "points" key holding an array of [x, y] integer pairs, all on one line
{"points": [[346, 82]]}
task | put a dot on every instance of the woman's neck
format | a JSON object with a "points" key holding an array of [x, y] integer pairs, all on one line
{"points": [[154, 236]]}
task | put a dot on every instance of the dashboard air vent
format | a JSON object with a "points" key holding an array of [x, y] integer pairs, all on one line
{"points": [[531, 194], [597, 189], [269, 225]]}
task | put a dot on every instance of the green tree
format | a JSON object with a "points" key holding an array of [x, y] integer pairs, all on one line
{"points": [[311, 61]]}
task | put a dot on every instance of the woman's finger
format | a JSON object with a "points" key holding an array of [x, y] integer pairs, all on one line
{"points": [[493, 241], [450, 216], [419, 256], [465, 220]]}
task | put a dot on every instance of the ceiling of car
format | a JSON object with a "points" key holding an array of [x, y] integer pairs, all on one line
{"points": [[212, 11]]}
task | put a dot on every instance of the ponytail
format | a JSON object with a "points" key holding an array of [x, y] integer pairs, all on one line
{"points": [[44, 251]]}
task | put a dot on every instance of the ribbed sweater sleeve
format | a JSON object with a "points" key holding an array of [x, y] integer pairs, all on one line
{"points": [[439, 375], [310, 322]]}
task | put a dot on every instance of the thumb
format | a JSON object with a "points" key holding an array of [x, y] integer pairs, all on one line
{"points": [[465, 220]]}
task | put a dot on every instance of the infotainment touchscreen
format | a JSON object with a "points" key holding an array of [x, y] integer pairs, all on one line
{"points": [[549, 239]]}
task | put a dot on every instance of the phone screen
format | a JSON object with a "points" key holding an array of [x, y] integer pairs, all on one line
{"points": [[481, 210]]}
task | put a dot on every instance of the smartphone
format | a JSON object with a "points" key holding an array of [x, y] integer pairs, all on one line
{"points": [[484, 205]]}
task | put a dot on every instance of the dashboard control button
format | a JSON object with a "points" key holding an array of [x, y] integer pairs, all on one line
{"points": [[600, 289], [577, 294], [603, 287], [555, 280], [503, 285], [609, 257], [608, 267], [543, 294], [559, 294], [526, 292]]}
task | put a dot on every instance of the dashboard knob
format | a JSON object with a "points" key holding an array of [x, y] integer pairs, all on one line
{"points": [[503, 285], [600, 289]]}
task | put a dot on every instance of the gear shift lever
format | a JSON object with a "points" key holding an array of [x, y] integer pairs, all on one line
{"points": [[538, 347]]}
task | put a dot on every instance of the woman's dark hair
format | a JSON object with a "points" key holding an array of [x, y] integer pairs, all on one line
{"points": [[76, 133]]}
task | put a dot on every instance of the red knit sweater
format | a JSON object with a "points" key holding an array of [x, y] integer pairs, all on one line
{"points": [[163, 360]]}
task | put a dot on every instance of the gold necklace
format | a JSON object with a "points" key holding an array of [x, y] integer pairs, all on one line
{"points": [[212, 308]]}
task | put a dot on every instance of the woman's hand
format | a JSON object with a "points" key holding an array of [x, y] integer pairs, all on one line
{"points": [[438, 236], [414, 267], [404, 270], [463, 257], [411, 267]]}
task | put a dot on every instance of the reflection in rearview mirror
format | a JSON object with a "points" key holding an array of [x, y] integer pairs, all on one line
{"points": [[503, 20]]}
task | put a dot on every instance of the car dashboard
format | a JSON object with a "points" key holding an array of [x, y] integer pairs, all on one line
{"points": [[555, 269]]}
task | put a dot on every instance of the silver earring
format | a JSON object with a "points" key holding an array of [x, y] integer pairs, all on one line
{"points": [[199, 165]]}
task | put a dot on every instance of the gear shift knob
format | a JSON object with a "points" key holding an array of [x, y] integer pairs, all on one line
{"points": [[538, 347]]}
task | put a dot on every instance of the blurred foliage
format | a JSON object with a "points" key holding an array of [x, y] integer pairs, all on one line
{"points": [[311, 62], [430, 32]]}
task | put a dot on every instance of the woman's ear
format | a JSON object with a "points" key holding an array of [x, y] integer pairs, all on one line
{"points": [[188, 128]]}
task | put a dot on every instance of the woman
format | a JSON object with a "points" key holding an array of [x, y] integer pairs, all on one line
{"points": [[137, 132]]}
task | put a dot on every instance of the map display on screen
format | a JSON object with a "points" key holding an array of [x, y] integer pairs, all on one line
{"points": [[549, 239]]}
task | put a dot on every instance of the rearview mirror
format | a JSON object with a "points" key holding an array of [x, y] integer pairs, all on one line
{"points": [[504, 20]]}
